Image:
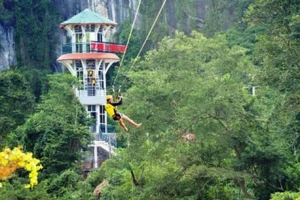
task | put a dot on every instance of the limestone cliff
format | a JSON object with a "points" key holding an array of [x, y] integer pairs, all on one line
{"points": [[7, 55]]}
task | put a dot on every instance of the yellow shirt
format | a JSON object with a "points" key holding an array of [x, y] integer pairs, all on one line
{"points": [[110, 109]]}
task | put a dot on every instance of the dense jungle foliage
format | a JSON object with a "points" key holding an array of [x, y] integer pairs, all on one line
{"points": [[234, 84]]}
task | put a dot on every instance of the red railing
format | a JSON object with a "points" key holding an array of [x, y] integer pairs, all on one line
{"points": [[107, 47]]}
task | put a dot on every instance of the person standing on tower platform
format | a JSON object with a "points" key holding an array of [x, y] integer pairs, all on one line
{"points": [[111, 109], [90, 75]]}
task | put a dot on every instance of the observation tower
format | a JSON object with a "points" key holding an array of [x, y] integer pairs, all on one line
{"points": [[88, 53]]}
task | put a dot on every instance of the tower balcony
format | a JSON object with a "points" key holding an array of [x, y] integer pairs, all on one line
{"points": [[91, 96], [93, 46]]}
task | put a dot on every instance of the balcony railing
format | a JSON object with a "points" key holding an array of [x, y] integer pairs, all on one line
{"points": [[105, 47]]}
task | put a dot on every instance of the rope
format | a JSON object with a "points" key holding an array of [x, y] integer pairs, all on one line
{"points": [[162, 6], [158, 14], [130, 34], [127, 43]]}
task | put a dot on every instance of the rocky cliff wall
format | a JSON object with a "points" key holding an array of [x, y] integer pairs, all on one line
{"points": [[7, 54]]}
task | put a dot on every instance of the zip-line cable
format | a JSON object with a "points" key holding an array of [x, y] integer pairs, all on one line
{"points": [[130, 34], [150, 31], [162, 6]]}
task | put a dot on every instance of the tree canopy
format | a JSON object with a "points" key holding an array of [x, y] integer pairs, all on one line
{"points": [[236, 91]]}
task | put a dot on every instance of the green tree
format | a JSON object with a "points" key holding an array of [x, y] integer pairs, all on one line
{"points": [[16, 100], [58, 131], [190, 84], [14, 189], [69, 185], [278, 48], [37, 81], [277, 53]]}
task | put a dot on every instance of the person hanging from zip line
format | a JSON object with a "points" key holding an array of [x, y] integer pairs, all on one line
{"points": [[111, 109]]}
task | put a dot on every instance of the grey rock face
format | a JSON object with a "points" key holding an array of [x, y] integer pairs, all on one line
{"points": [[7, 54]]}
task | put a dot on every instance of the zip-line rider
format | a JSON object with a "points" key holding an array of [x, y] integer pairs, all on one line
{"points": [[111, 109]]}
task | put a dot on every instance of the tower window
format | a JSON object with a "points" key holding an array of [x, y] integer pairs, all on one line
{"points": [[78, 29], [91, 108], [90, 28]]}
